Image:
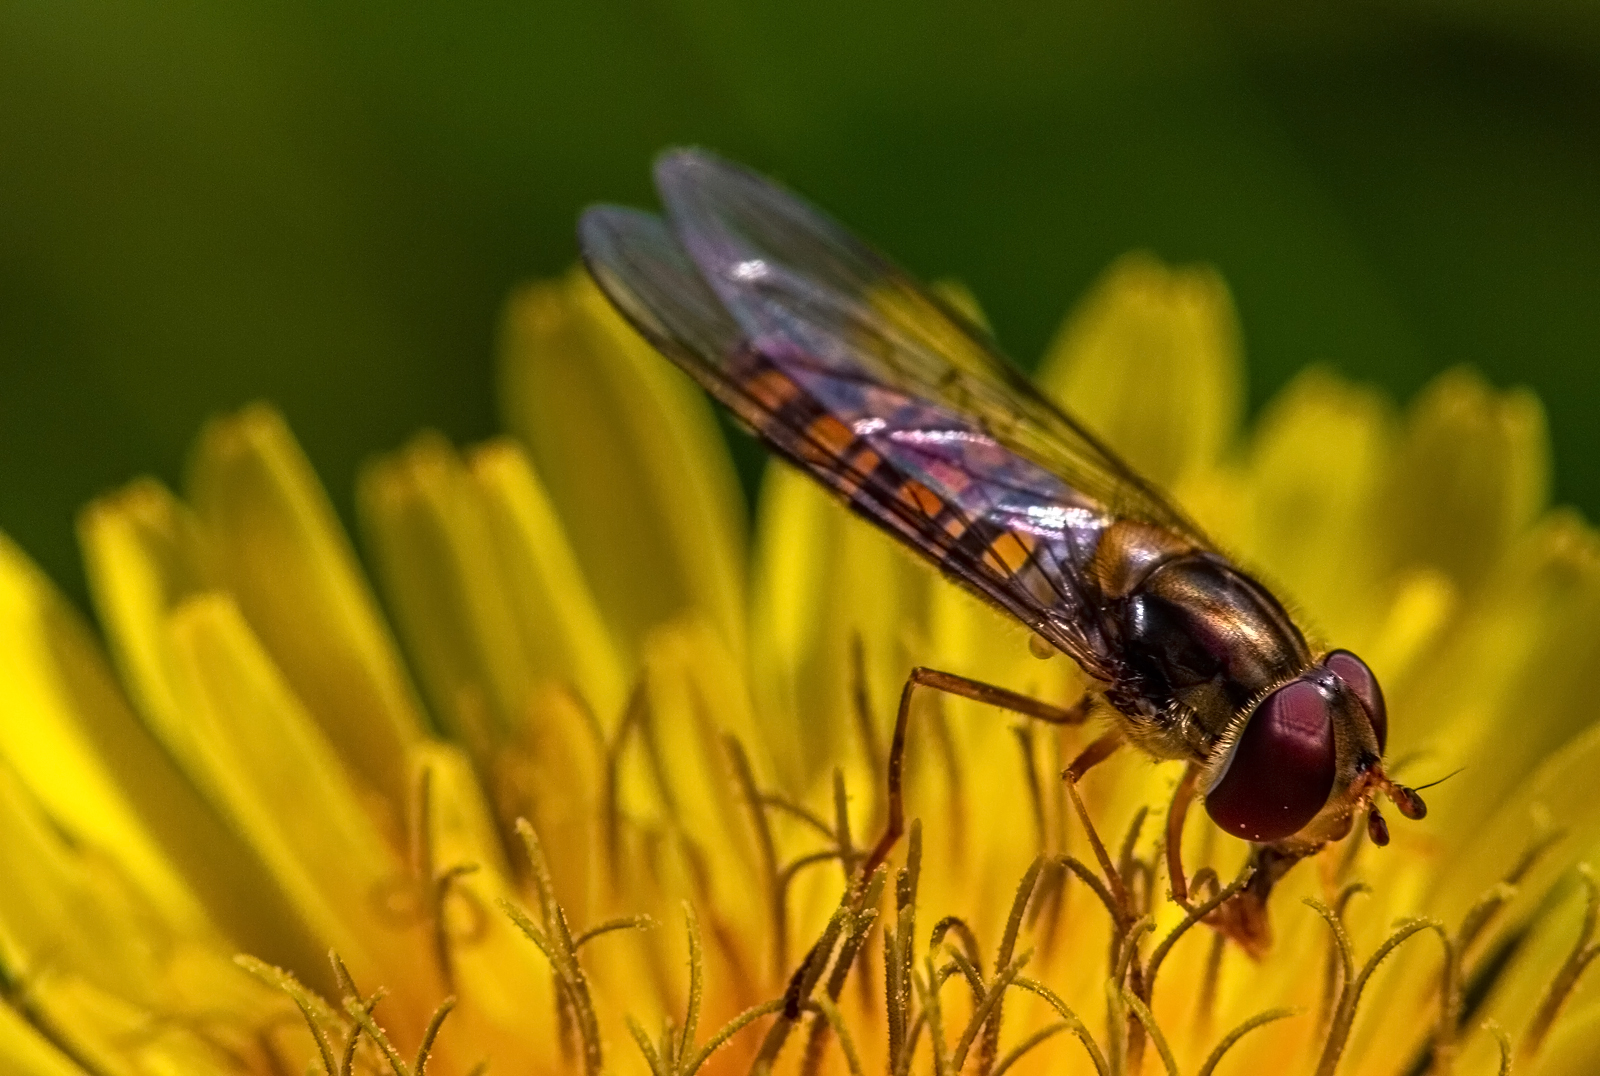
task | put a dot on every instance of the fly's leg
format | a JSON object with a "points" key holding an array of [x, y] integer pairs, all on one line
{"points": [[1177, 812], [966, 688], [1243, 918], [1097, 752], [1103, 747]]}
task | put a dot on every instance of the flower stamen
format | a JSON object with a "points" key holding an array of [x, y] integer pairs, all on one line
{"points": [[1566, 978], [1210, 977], [1258, 1020], [1147, 1021], [1079, 1029], [575, 1007], [1197, 914], [1118, 894], [1344, 1011], [319, 1016], [315, 1011], [634, 715], [1503, 1041], [1030, 774], [352, 1041], [1338, 967], [801, 984], [861, 705], [865, 915]]}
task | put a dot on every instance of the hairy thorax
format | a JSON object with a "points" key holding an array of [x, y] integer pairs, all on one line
{"points": [[1200, 640]]}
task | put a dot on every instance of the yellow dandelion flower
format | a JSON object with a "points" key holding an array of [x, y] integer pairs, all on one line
{"points": [[607, 811]]}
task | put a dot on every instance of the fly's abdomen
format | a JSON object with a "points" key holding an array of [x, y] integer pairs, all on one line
{"points": [[1017, 536]]}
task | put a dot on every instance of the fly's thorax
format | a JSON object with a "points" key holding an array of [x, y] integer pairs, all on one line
{"points": [[1200, 637], [1128, 551]]}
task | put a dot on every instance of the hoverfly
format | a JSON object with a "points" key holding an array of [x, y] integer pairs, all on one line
{"points": [[871, 384]]}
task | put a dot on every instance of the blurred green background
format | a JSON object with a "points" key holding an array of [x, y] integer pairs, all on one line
{"points": [[324, 205]]}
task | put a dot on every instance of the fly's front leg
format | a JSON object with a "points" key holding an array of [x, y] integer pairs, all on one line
{"points": [[966, 688], [1177, 812], [1244, 918]]}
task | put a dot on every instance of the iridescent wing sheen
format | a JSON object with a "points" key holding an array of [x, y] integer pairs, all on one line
{"points": [[907, 469], [863, 379], [792, 277]]}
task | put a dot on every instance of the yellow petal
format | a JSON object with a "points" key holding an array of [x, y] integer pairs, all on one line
{"points": [[1510, 680], [1502, 697], [697, 697], [632, 459], [1424, 603], [24, 1052], [61, 907], [91, 959], [1150, 362], [502, 981], [212, 1035], [280, 551], [1318, 458], [814, 564], [1558, 794], [675, 824], [67, 733], [561, 626], [434, 545], [971, 639], [795, 539], [1546, 943], [1573, 1048], [145, 554], [1472, 472], [279, 780]]}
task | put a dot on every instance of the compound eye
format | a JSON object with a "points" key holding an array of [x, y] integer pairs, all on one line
{"points": [[1359, 679], [1281, 769]]}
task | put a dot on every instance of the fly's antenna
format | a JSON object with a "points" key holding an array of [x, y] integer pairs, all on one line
{"points": [[1441, 780]]}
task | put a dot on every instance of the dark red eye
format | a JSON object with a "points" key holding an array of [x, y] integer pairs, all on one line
{"points": [[1282, 767], [1358, 678]]}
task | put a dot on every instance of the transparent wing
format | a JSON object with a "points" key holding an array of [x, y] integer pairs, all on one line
{"points": [[802, 287], [1007, 529]]}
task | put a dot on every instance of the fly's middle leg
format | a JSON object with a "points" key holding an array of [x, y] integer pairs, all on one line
{"points": [[1103, 747], [966, 688]]}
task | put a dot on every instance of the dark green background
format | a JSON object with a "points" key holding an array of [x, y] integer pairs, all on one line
{"points": [[323, 205]]}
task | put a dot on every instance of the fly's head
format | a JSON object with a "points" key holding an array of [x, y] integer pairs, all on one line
{"points": [[1307, 759]]}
